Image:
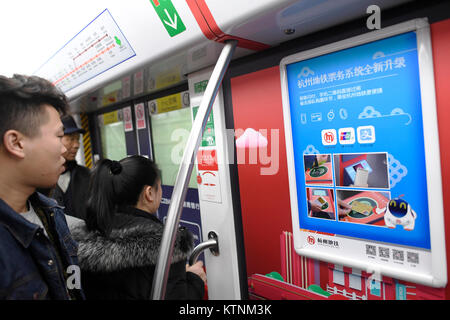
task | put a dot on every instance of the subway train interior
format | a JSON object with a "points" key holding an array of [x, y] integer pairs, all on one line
{"points": [[301, 170]]}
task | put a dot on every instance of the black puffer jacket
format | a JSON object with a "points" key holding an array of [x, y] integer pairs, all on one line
{"points": [[122, 265]]}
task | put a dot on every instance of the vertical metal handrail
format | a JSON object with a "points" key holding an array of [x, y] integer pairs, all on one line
{"points": [[182, 181]]}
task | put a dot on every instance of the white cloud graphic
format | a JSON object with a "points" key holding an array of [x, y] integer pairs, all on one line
{"points": [[378, 54], [369, 112], [399, 111], [251, 139], [310, 149], [396, 170]]}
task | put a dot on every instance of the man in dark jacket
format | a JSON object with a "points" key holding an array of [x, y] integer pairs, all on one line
{"points": [[71, 190], [38, 257]]}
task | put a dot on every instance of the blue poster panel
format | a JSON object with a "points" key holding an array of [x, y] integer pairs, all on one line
{"points": [[358, 145], [363, 154]]}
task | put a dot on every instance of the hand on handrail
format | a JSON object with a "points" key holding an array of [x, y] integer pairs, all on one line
{"points": [[197, 268]]}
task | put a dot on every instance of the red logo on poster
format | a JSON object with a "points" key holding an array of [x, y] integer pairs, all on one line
{"points": [[311, 240], [329, 137]]}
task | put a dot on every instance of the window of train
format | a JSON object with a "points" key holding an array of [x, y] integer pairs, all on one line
{"points": [[170, 132], [112, 135], [171, 123]]}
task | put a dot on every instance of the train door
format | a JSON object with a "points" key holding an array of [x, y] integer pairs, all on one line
{"points": [[171, 123], [157, 126], [224, 268]]}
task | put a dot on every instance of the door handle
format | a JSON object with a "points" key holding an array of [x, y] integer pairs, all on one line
{"points": [[212, 244]]}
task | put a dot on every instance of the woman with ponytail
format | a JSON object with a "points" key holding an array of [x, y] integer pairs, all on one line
{"points": [[118, 247]]}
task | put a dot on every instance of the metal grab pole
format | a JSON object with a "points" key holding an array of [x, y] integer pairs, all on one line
{"points": [[180, 188]]}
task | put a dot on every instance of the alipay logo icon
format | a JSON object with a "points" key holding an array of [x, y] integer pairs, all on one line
{"points": [[366, 134]]}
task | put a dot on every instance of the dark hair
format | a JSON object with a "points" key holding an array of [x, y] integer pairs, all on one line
{"points": [[21, 103], [115, 184]]}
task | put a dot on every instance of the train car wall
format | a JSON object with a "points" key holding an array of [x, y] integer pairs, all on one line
{"points": [[440, 35], [256, 100]]}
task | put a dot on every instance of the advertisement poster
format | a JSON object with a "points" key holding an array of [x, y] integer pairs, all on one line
{"points": [[127, 119], [359, 153], [139, 110], [126, 87], [138, 82]]}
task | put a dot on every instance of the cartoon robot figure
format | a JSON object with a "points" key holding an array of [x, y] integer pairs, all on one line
{"points": [[399, 212]]}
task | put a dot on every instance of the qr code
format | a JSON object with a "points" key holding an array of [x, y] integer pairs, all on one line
{"points": [[413, 257], [371, 250], [398, 255], [383, 252]]}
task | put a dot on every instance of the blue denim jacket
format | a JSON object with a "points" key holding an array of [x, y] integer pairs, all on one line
{"points": [[29, 267]]}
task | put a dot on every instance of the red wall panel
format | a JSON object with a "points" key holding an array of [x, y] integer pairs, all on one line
{"points": [[440, 39], [266, 212]]}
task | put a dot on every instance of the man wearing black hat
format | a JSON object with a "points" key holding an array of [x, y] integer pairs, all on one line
{"points": [[72, 188]]}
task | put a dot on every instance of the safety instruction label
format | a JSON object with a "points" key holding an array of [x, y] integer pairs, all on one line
{"points": [[208, 138]]}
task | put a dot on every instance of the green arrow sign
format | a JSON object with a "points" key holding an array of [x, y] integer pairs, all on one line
{"points": [[169, 16]]}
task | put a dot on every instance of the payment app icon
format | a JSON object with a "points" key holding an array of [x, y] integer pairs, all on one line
{"points": [[347, 136], [366, 134], [329, 137]]}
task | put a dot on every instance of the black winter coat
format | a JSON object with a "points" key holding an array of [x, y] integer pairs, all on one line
{"points": [[122, 265], [76, 196]]}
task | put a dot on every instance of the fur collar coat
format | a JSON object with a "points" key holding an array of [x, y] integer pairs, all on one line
{"points": [[121, 265]]}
